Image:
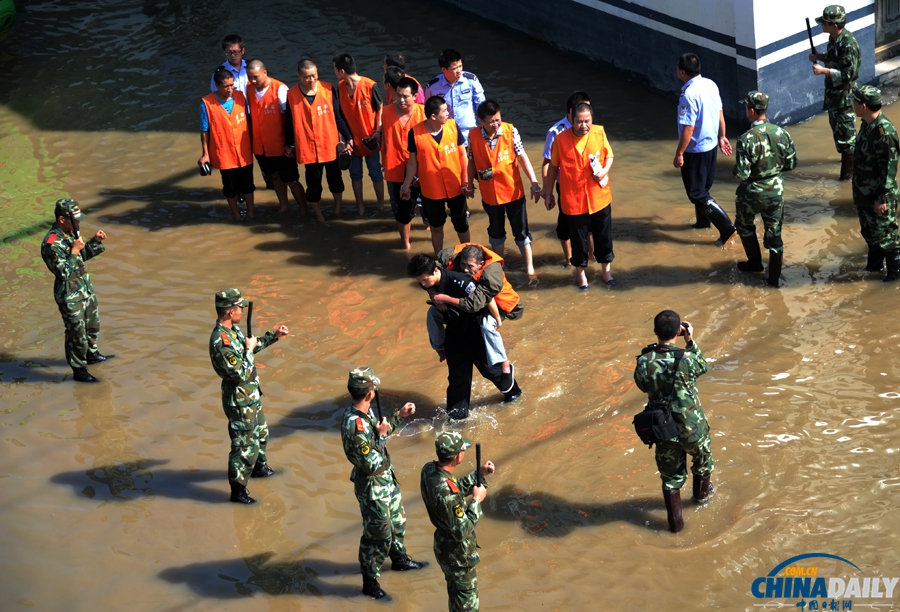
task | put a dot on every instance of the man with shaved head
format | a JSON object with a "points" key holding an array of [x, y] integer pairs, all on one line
{"points": [[268, 105]]}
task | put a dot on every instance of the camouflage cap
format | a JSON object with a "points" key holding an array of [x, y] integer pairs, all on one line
{"points": [[450, 443], [229, 297], [756, 100], [67, 205], [362, 378], [834, 13], [867, 94]]}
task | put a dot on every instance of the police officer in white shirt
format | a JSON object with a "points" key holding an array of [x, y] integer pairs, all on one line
{"points": [[233, 46], [462, 91]]}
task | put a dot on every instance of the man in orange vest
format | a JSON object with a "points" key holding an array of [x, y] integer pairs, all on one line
{"points": [[268, 104], [495, 154], [581, 159], [361, 104], [399, 119], [398, 60], [437, 157], [225, 140], [313, 128]]}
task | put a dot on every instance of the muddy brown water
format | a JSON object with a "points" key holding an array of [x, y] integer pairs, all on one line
{"points": [[114, 495]]}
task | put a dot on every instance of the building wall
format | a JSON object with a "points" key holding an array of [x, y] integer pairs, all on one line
{"points": [[743, 44]]}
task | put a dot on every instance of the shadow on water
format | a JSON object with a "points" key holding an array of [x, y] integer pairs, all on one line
{"points": [[14, 369], [229, 579], [549, 516]]}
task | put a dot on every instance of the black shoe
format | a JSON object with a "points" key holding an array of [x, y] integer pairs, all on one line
{"points": [[239, 495], [404, 563], [262, 471], [97, 358], [372, 588], [775, 261], [508, 379], [513, 394], [458, 411], [875, 261], [82, 375]]}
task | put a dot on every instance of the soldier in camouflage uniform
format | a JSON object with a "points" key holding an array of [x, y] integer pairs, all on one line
{"points": [[65, 254], [455, 546], [763, 153], [841, 70], [232, 356], [658, 369], [374, 481], [875, 182]]}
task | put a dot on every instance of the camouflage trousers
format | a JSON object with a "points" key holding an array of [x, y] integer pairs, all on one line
{"points": [[82, 323], [249, 434], [671, 460], [384, 524], [772, 212], [878, 230], [462, 588], [843, 125]]}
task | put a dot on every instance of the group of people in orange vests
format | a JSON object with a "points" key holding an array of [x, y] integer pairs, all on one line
{"points": [[430, 145]]}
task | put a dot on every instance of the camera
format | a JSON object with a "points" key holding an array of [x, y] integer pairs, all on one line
{"points": [[486, 174], [683, 330]]}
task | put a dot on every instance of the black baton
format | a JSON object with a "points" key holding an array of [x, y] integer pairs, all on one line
{"points": [[809, 33], [478, 480], [378, 405], [250, 318]]}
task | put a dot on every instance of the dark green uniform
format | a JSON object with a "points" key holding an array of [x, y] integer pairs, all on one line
{"points": [[762, 154], [377, 490], [241, 399], [875, 180], [654, 375], [455, 546], [842, 58], [74, 293]]}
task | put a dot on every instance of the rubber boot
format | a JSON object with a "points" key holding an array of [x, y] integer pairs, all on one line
{"points": [[402, 563], [702, 220], [720, 219], [239, 495], [372, 588], [702, 489], [82, 375], [775, 260], [893, 266], [458, 411], [673, 509], [846, 166], [875, 262], [754, 256]]}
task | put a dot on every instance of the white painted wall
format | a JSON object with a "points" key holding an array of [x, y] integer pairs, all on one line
{"points": [[717, 15]]}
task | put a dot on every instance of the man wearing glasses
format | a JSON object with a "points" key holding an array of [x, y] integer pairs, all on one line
{"points": [[233, 46]]}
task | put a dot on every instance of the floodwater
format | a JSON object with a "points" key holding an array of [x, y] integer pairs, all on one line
{"points": [[114, 495]]}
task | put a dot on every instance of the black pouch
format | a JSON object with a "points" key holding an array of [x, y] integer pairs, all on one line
{"points": [[656, 423]]}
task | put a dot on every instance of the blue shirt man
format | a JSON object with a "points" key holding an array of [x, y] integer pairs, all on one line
{"points": [[233, 46], [462, 91], [700, 107]]}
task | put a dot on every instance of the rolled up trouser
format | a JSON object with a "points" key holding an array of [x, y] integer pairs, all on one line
{"points": [[493, 341]]}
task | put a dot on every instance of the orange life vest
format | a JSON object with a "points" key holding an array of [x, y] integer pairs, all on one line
{"points": [[229, 138], [440, 171], [359, 113], [267, 122], [315, 130], [395, 140], [507, 299], [506, 184], [579, 192]]}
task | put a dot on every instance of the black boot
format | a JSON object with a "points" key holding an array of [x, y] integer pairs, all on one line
{"points": [[702, 220], [98, 358], [262, 471], [513, 393], [673, 509], [720, 219], [402, 563], [846, 166], [893, 266], [239, 495], [703, 489], [875, 262], [458, 411], [372, 588], [754, 256], [82, 375], [775, 260]]}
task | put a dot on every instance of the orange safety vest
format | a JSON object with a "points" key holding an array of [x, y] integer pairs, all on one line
{"points": [[507, 299], [579, 193], [229, 138], [440, 171], [359, 113], [395, 140], [267, 124], [506, 184], [315, 130]]}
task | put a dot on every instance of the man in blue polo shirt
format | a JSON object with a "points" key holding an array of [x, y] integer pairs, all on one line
{"points": [[701, 130], [462, 91], [233, 46]]}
